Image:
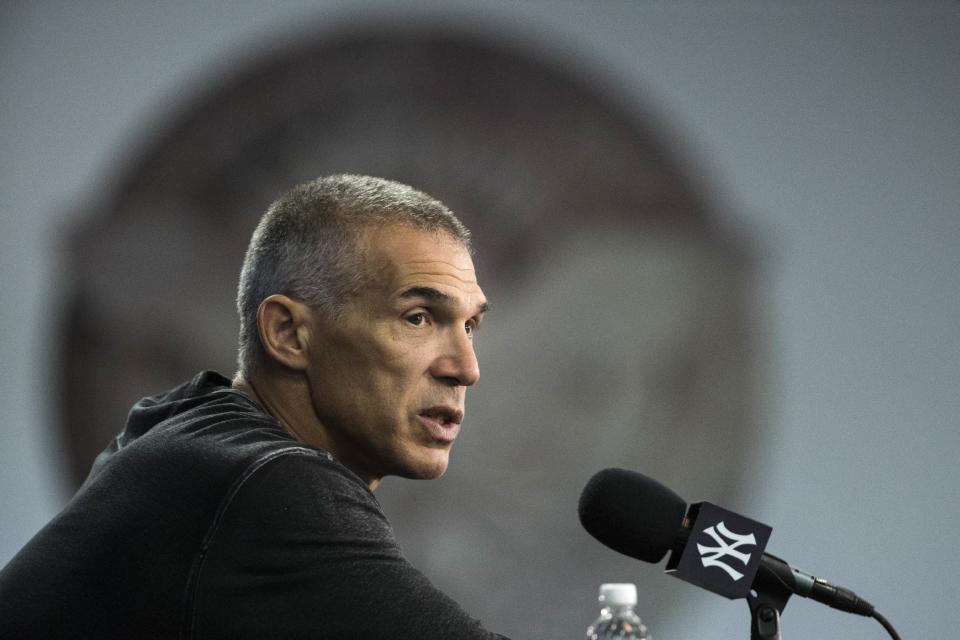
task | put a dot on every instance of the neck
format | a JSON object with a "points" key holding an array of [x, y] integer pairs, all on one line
{"points": [[289, 402]]}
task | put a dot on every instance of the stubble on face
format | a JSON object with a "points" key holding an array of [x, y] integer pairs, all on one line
{"points": [[388, 374]]}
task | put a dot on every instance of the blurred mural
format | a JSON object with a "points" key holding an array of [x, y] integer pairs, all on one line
{"points": [[617, 336]]}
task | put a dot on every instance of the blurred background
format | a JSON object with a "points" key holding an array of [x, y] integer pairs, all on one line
{"points": [[721, 240]]}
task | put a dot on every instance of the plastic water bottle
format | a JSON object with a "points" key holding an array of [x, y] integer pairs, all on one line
{"points": [[617, 620]]}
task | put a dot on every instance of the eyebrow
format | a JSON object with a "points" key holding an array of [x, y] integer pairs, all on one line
{"points": [[435, 295]]}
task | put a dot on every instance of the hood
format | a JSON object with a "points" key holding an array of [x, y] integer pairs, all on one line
{"points": [[153, 410]]}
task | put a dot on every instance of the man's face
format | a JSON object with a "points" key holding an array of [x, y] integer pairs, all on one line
{"points": [[388, 375]]}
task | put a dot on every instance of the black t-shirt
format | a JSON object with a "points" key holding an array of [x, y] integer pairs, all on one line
{"points": [[205, 519]]}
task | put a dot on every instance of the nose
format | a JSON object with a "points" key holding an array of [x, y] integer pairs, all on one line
{"points": [[457, 364]]}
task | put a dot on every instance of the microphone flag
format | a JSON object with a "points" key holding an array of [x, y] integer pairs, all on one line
{"points": [[723, 550]]}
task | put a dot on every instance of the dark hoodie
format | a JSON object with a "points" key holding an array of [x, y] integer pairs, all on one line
{"points": [[205, 519]]}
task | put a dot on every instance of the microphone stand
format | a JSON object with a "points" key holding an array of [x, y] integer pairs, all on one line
{"points": [[766, 601]]}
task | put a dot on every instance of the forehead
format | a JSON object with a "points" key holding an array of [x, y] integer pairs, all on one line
{"points": [[401, 257]]}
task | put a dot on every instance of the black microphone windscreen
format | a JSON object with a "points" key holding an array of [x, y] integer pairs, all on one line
{"points": [[631, 513]]}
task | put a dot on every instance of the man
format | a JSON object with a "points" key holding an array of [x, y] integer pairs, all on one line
{"points": [[245, 508]]}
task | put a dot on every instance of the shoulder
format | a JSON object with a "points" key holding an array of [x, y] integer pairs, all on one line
{"points": [[303, 490], [189, 455], [218, 432], [303, 551]]}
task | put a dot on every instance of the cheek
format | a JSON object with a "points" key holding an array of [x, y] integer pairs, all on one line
{"points": [[396, 368], [398, 382], [403, 356], [404, 383]]}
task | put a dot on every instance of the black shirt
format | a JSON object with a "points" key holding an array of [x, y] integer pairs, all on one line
{"points": [[205, 519]]}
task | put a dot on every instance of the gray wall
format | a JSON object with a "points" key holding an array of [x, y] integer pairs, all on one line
{"points": [[831, 136]]}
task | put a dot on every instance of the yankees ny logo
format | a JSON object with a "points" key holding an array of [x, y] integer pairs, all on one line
{"points": [[712, 556]]}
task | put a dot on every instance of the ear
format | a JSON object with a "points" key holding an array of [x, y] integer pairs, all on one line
{"points": [[284, 329]]}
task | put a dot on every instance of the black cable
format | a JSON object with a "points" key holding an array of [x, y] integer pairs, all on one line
{"points": [[886, 625]]}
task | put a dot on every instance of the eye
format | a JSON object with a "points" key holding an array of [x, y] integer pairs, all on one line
{"points": [[470, 327], [417, 319]]}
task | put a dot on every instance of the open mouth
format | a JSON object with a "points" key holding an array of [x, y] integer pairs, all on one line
{"points": [[441, 422], [446, 416]]}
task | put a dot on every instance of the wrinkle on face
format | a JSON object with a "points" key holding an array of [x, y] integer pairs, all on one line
{"points": [[373, 372]]}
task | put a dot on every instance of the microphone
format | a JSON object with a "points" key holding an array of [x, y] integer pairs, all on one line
{"points": [[639, 517]]}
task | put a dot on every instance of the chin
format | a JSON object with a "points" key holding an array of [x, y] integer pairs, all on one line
{"points": [[428, 469]]}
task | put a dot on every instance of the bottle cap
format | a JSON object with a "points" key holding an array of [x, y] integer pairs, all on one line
{"points": [[618, 595]]}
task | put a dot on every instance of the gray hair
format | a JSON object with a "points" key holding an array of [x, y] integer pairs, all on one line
{"points": [[306, 245]]}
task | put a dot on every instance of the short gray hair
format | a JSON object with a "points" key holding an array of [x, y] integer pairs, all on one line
{"points": [[306, 245]]}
